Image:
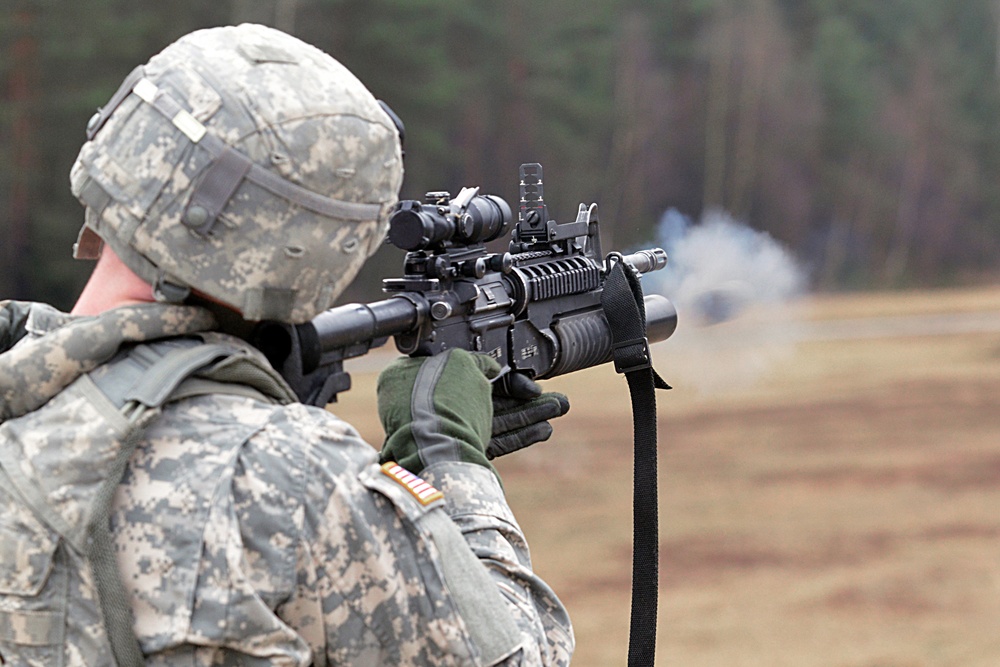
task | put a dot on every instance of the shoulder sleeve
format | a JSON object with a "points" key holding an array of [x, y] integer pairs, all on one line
{"points": [[401, 581], [475, 502]]}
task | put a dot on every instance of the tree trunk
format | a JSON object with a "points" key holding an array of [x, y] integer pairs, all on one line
{"points": [[996, 34], [914, 172], [279, 14], [717, 111], [21, 91], [758, 27]]}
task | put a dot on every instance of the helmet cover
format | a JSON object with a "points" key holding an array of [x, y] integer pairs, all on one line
{"points": [[244, 164]]}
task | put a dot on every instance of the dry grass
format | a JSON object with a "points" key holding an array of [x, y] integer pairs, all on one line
{"points": [[823, 503], [872, 304]]}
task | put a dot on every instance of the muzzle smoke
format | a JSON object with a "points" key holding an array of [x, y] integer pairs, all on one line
{"points": [[736, 292]]}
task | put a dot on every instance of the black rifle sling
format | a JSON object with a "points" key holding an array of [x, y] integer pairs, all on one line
{"points": [[623, 306]]}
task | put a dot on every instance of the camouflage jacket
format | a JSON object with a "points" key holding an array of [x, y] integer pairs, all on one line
{"points": [[248, 530]]}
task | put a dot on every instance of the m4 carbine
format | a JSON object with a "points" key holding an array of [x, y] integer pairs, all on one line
{"points": [[536, 309]]}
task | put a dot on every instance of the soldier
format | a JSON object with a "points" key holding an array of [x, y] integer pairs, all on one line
{"points": [[164, 500]]}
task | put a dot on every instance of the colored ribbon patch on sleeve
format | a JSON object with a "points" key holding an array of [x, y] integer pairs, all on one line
{"points": [[418, 488]]}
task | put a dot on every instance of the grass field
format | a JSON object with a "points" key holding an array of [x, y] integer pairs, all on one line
{"points": [[825, 500]]}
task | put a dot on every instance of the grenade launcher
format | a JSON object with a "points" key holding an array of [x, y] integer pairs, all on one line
{"points": [[536, 309]]}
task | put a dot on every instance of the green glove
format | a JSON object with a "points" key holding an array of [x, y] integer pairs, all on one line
{"points": [[521, 414], [436, 409]]}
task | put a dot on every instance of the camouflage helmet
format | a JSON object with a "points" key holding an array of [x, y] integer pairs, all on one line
{"points": [[243, 164]]}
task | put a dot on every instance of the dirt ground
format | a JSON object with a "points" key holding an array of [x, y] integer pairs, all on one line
{"points": [[828, 489]]}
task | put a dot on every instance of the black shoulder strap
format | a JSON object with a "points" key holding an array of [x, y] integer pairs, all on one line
{"points": [[624, 308]]}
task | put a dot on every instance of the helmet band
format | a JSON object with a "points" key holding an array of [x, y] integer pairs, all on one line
{"points": [[193, 129], [98, 120]]}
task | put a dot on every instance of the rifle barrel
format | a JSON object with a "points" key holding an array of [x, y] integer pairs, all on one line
{"points": [[645, 261], [348, 324]]}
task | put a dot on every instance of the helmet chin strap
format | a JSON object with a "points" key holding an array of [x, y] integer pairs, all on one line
{"points": [[165, 291]]}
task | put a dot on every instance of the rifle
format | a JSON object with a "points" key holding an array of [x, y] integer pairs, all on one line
{"points": [[536, 308]]}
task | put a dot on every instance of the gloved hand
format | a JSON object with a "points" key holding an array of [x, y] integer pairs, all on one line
{"points": [[443, 408], [436, 409], [520, 414]]}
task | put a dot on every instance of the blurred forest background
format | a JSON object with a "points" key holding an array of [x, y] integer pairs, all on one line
{"points": [[862, 135]]}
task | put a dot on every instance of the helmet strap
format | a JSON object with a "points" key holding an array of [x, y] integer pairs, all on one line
{"points": [[214, 190], [98, 120], [168, 292]]}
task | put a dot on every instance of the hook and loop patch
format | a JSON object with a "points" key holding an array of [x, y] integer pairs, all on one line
{"points": [[418, 488]]}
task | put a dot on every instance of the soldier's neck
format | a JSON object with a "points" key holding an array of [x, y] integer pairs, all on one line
{"points": [[112, 284]]}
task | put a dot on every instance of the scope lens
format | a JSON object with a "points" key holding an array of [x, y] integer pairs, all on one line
{"points": [[414, 227], [487, 217]]}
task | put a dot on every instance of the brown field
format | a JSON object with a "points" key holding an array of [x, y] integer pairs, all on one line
{"points": [[824, 500]]}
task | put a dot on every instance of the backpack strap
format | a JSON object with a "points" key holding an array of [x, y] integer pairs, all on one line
{"points": [[153, 375], [140, 381]]}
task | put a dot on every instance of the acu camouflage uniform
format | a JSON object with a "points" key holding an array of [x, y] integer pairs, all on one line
{"points": [[248, 529]]}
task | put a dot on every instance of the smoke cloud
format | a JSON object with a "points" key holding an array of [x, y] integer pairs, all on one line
{"points": [[736, 290]]}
